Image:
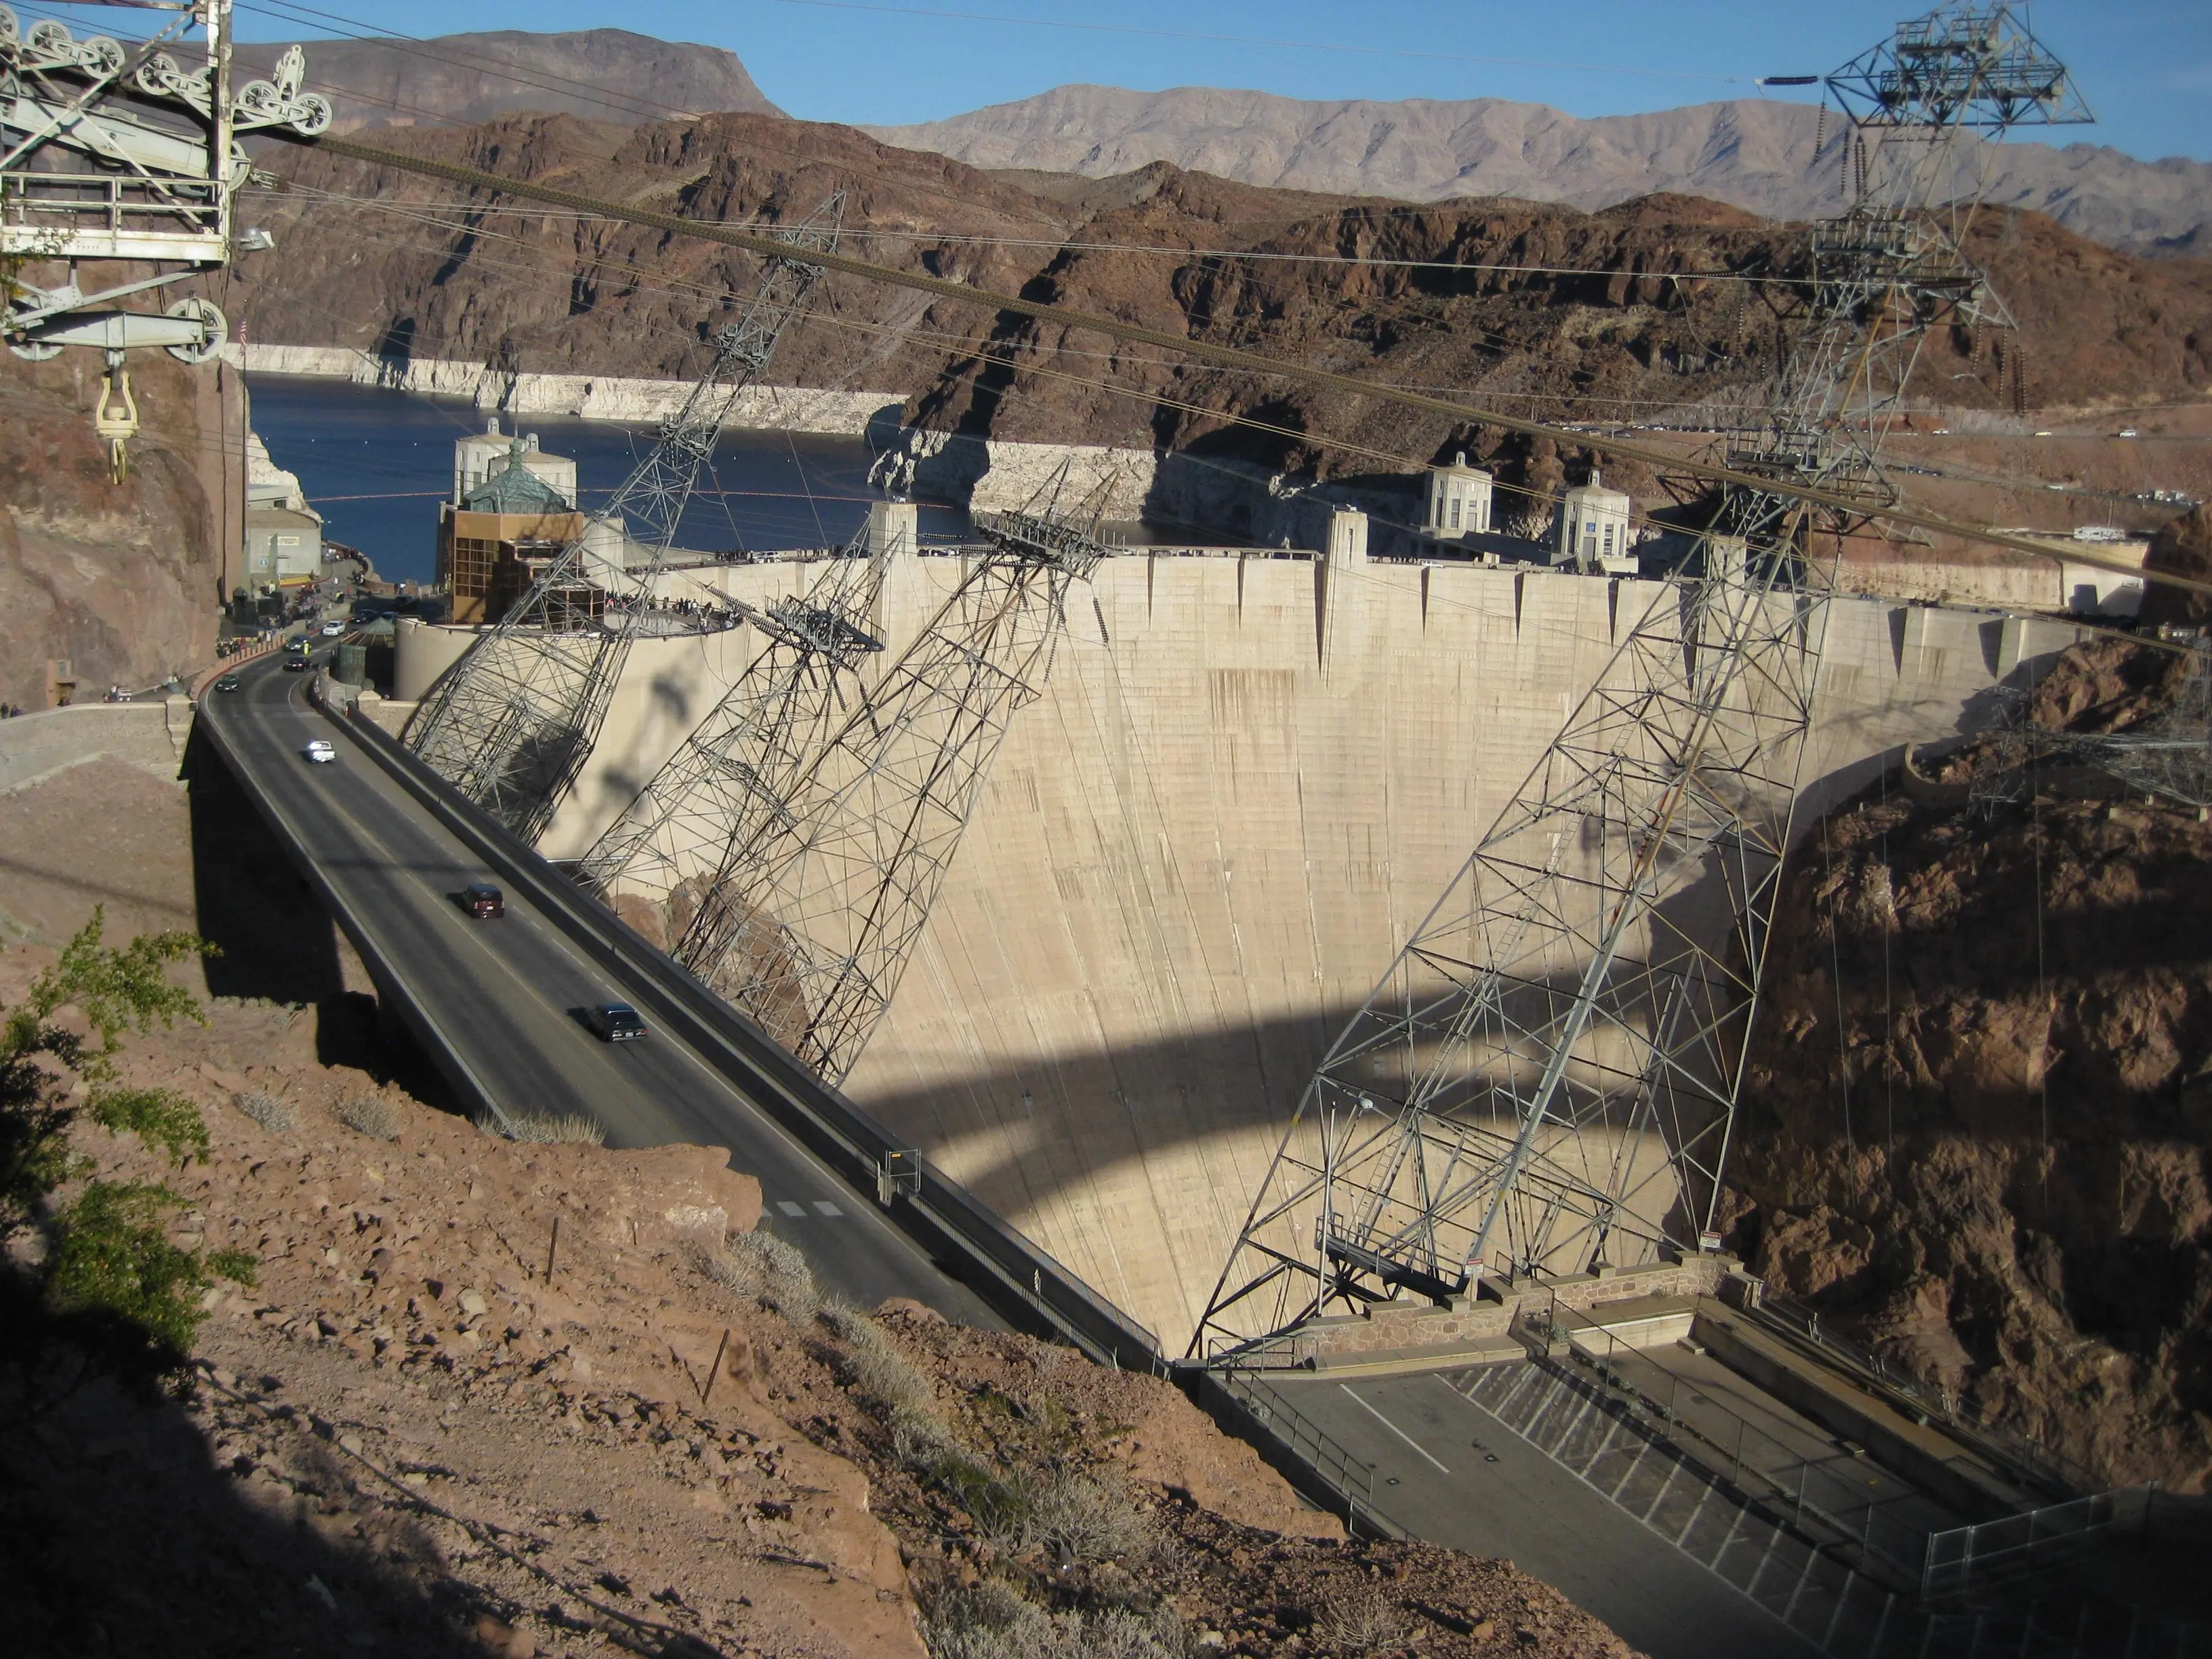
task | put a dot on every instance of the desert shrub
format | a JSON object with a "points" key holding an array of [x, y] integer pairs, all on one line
{"points": [[1366, 1622], [991, 1620], [109, 1282], [163, 1119], [550, 1128], [988, 1621], [877, 1366], [372, 1115], [761, 1267], [271, 1113], [1085, 1519]]}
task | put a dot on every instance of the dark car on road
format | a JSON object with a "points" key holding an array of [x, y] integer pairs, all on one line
{"points": [[615, 1022], [229, 682], [297, 665], [484, 901]]}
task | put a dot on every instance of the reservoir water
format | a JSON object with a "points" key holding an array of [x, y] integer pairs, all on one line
{"points": [[376, 463]]}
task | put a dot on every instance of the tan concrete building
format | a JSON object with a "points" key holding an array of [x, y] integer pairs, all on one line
{"points": [[1457, 500], [1594, 529]]}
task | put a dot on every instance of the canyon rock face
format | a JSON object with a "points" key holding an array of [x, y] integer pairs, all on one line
{"points": [[122, 579], [1629, 314], [1980, 1101], [1781, 160]]}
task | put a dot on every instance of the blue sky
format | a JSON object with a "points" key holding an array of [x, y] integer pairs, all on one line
{"points": [[2145, 65]]}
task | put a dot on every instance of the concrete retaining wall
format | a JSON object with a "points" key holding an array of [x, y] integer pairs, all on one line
{"points": [[147, 735]]}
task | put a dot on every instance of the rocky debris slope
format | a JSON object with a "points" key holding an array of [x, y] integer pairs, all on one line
{"points": [[1762, 155], [124, 580], [1977, 1114], [435, 1426]]}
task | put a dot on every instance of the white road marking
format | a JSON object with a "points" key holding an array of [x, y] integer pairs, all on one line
{"points": [[790, 1208], [1396, 1430], [823, 1206]]}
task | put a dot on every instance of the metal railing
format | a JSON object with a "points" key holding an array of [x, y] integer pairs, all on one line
{"points": [[1966, 1559], [1351, 1479], [2028, 1460], [1822, 1502]]}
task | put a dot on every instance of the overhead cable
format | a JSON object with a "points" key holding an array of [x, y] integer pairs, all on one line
{"points": [[1227, 357]]}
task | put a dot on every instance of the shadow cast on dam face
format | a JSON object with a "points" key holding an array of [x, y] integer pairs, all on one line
{"points": [[1135, 1166]]}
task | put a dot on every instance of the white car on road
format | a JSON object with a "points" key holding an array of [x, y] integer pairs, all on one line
{"points": [[321, 751], [332, 629]]}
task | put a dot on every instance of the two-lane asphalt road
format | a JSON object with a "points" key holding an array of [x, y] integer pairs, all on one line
{"points": [[506, 996]]}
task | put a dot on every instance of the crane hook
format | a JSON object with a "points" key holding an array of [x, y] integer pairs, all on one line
{"points": [[115, 416]]}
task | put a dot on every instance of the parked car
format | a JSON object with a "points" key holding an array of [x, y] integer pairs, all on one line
{"points": [[229, 682], [615, 1022], [321, 751], [484, 901]]}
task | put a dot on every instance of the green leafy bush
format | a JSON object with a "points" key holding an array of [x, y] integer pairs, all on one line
{"points": [[110, 1282]]}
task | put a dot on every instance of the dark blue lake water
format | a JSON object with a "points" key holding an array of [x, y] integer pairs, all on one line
{"points": [[375, 464]]}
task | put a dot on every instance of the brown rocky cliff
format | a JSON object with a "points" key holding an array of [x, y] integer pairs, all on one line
{"points": [[124, 580], [1997, 1171], [1600, 314]]}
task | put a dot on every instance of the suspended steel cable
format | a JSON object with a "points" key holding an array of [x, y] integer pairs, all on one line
{"points": [[1227, 357]]}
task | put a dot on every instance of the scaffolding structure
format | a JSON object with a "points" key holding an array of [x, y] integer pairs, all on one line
{"points": [[801, 868], [1545, 1081], [511, 725]]}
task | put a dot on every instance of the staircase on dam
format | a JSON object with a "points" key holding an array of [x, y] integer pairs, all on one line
{"points": [[1846, 1603]]}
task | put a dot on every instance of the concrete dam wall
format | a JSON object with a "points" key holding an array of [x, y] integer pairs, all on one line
{"points": [[1247, 779]]}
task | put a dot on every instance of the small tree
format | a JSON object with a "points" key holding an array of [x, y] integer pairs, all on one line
{"points": [[110, 1282]]}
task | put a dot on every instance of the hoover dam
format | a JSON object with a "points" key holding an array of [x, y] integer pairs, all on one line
{"points": [[1248, 777]]}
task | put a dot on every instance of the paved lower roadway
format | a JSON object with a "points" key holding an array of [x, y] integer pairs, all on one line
{"points": [[1448, 1471], [508, 994]]}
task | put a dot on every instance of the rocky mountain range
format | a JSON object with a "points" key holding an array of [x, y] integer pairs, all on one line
{"points": [[605, 75], [1782, 160]]}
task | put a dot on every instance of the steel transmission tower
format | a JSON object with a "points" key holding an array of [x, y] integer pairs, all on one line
{"points": [[730, 781], [512, 724], [1545, 1079], [827, 876]]}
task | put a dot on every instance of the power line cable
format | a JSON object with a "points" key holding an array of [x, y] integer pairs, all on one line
{"points": [[1204, 352]]}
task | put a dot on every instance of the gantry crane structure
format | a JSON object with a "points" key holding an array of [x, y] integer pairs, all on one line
{"points": [[511, 725], [123, 155], [796, 843], [1545, 1080]]}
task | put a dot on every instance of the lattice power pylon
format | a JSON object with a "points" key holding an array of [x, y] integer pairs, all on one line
{"points": [[121, 156], [1545, 1080], [731, 780], [512, 724], [824, 881]]}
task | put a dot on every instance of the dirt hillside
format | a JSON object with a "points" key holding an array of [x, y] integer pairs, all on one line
{"points": [[435, 1426]]}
